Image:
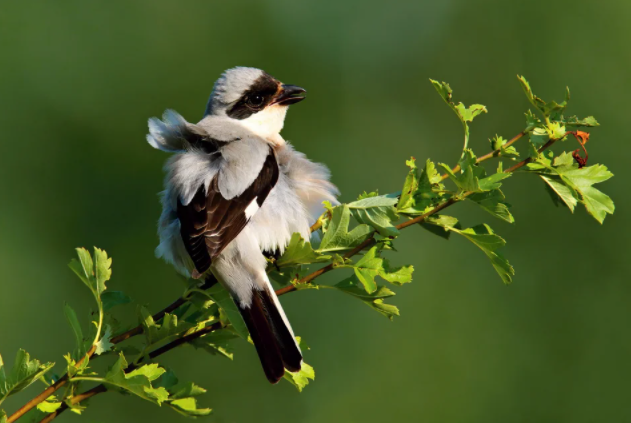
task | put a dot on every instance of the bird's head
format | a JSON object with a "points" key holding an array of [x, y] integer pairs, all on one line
{"points": [[254, 98]]}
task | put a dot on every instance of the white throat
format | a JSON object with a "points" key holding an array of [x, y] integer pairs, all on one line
{"points": [[267, 123]]}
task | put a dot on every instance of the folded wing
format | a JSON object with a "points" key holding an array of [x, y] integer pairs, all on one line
{"points": [[210, 221]]}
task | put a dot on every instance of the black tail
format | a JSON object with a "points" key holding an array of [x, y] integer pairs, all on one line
{"points": [[272, 338]]}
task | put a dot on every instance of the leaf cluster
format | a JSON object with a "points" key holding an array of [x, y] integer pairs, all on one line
{"points": [[355, 241]]}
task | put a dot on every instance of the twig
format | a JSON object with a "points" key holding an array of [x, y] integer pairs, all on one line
{"points": [[494, 153]]}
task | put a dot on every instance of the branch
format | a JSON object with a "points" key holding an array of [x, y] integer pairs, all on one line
{"points": [[115, 340], [155, 353], [418, 219], [312, 276]]}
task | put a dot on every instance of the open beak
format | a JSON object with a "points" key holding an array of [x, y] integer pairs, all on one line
{"points": [[289, 94]]}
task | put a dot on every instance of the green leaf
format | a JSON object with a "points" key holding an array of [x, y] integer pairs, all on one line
{"points": [[371, 265], [169, 326], [24, 372], [102, 269], [104, 345], [587, 122], [436, 224], [94, 273], [493, 202], [532, 121], [484, 237], [298, 252], [410, 186], [337, 236], [3, 416], [114, 298], [565, 193], [378, 212], [137, 382], [351, 286], [574, 185], [188, 407], [465, 114], [300, 379], [565, 159], [217, 343], [181, 396], [418, 193], [71, 316], [539, 136], [492, 182], [184, 390], [222, 297], [551, 109], [50, 405]]}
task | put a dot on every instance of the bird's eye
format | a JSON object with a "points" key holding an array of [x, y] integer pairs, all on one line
{"points": [[255, 100]]}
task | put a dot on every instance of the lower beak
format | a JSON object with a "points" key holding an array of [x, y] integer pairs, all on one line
{"points": [[289, 94]]}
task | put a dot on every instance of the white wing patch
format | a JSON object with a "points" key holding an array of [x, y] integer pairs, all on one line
{"points": [[252, 208]]}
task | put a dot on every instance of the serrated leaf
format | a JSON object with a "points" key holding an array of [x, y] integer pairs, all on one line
{"points": [[94, 273], [371, 265], [489, 242], [574, 184], [492, 182], [218, 342], [410, 186], [102, 269], [137, 382], [587, 122], [24, 372], [188, 407], [563, 160], [50, 405], [222, 297], [493, 202], [562, 191], [168, 380], [437, 224], [418, 193], [188, 389], [104, 345], [351, 286], [169, 326], [484, 237], [378, 212], [300, 379], [112, 299], [298, 252], [337, 236], [465, 114], [550, 109]]}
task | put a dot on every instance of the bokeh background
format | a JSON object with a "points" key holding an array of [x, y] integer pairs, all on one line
{"points": [[78, 81]]}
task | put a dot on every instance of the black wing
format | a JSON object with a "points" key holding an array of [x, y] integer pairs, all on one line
{"points": [[210, 222]]}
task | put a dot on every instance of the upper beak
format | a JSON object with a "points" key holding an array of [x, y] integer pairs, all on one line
{"points": [[289, 94]]}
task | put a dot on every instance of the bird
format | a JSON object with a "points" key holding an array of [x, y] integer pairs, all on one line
{"points": [[236, 190]]}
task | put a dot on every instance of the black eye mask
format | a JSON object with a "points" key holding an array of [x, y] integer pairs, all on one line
{"points": [[260, 94]]}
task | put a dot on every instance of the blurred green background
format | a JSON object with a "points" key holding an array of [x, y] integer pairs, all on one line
{"points": [[78, 81]]}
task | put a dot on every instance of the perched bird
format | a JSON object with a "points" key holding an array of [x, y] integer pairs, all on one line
{"points": [[234, 190]]}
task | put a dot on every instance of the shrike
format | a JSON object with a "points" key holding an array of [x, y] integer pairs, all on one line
{"points": [[236, 189]]}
